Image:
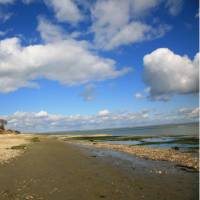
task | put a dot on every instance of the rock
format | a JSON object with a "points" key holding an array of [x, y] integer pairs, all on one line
{"points": [[29, 197], [160, 172]]}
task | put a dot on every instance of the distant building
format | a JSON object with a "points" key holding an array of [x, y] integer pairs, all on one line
{"points": [[3, 122]]}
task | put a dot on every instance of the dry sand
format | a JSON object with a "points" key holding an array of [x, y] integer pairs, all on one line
{"points": [[7, 141]]}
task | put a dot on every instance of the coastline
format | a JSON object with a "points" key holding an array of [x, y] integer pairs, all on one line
{"points": [[12, 145], [53, 169], [183, 159]]}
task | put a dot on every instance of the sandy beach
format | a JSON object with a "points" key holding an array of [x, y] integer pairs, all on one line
{"points": [[10, 146], [51, 169]]}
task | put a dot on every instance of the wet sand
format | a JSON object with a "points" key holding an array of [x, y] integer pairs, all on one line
{"points": [[177, 157], [53, 169]]}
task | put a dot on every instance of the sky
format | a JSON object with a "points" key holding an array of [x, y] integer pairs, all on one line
{"points": [[90, 64]]}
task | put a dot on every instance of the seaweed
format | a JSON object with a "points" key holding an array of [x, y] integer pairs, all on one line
{"points": [[35, 139], [188, 140], [22, 146], [92, 138]]}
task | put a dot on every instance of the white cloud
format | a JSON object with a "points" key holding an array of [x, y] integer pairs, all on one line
{"points": [[114, 22], [5, 16], [167, 73], [21, 66], [189, 112], [117, 23], [139, 95], [136, 32], [50, 32], [140, 7], [6, 1], [68, 61], [89, 93], [27, 1], [65, 10], [103, 112], [42, 113], [2, 33], [174, 6], [44, 121]]}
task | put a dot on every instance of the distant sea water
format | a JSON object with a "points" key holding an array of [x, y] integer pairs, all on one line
{"points": [[191, 129]]}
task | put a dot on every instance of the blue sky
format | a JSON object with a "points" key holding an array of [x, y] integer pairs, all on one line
{"points": [[77, 64]]}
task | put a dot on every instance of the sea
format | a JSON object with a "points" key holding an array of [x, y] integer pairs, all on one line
{"points": [[190, 129]]}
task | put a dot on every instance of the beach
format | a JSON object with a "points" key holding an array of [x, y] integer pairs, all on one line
{"points": [[11, 146], [179, 158], [50, 168]]}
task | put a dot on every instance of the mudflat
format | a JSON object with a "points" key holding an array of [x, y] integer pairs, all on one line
{"points": [[54, 170]]}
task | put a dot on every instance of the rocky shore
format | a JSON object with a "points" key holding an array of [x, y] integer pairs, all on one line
{"points": [[179, 158]]}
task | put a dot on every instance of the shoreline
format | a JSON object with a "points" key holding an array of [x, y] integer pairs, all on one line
{"points": [[179, 158], [51, 168], [12, 145]]}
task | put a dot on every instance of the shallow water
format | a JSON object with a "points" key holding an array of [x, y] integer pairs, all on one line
{"points": [[160, 139], [181, 129], [157, 142], [190, 129], [130, 142]]}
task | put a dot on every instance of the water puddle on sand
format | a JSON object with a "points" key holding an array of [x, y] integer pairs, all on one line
{"points": [[141, 141], [131, 162], [161, 139], [129, 142], [157, 142]]}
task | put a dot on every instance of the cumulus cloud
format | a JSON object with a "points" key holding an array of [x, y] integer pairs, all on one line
{"points": [[43, 121], [56, 59], [114, 22], [167, 73], [88, 93], [68, 61], [117, 23], [65, 10]]}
